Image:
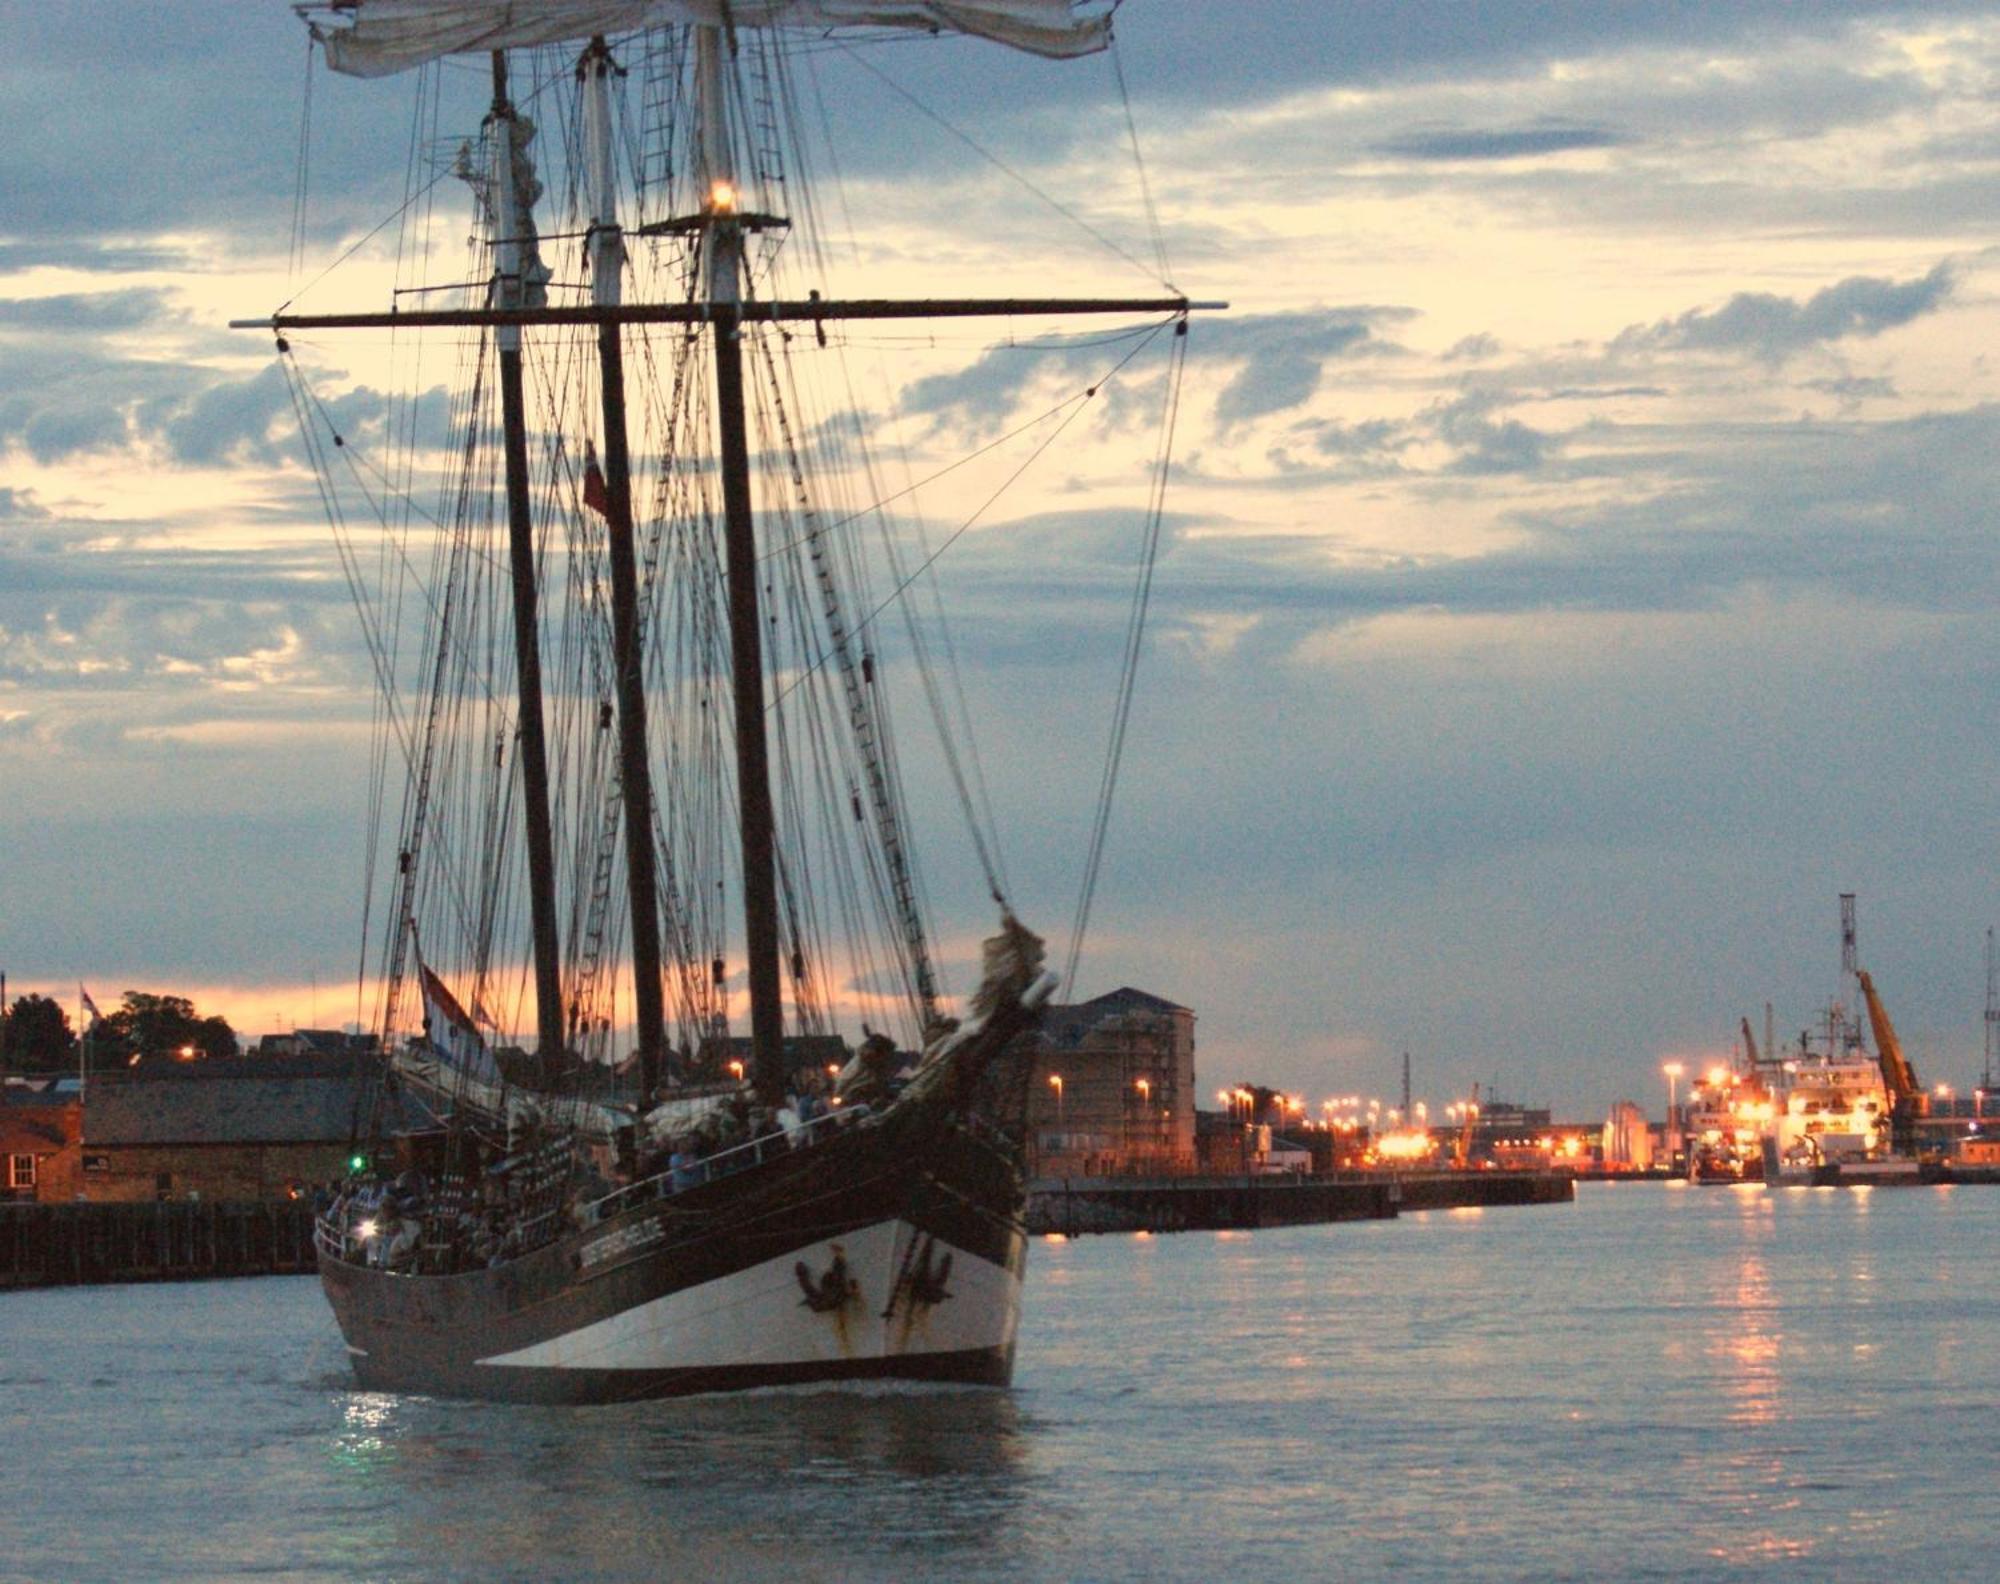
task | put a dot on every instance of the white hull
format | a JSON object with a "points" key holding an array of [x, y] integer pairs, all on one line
{"points": [[759, 1317]]}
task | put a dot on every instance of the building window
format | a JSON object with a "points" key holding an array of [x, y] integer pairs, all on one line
{"points": [[20, 1171]]}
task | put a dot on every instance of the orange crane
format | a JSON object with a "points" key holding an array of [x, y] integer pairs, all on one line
{"points": [[1753, 1081], [1907, 1100]]}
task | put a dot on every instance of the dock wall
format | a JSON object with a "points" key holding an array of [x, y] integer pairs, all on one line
{"points": [[48, 1245], [1207, 1204], [45, 1245]]}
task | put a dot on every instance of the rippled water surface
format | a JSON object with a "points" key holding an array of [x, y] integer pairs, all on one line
{"points": [[1653, 1383]]}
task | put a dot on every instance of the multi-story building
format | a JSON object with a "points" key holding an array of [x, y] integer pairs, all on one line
{"points": [[1114, 1087]]}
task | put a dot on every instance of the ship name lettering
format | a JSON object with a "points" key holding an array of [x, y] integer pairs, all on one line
{"points": [[624, 1241]]}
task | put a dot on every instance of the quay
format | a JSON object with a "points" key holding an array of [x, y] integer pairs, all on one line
{"points": [[54, 1245], [50, 1245], [1075, 1205]]}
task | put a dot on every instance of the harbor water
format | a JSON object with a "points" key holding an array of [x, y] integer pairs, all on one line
{"points": [[1656, 1382]]}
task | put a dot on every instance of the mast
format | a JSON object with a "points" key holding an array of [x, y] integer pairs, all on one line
{"points": [[1992, 1015], [1848, 1038], [607, 256], [510, 291], [722, 259]]}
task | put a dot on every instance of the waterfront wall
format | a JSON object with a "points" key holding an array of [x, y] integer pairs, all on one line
{"points": [[43, 1245], [1208, 1204]]}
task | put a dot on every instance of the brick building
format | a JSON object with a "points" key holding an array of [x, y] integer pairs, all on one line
{"points": [[39, 1157], [1113, 1088], [245, 1128]]}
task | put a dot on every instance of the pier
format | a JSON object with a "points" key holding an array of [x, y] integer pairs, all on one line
{"points": [[1075, 1205]]}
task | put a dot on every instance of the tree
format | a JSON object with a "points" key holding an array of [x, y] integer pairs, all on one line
{"points": [[39, 1039], [156, 1026]]}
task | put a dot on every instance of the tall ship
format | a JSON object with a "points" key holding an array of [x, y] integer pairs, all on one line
{"points": [[1843, 1113], [627, 591]]}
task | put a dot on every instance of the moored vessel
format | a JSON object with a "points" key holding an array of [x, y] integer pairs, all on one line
{"points": [[1843, 1115], [1729, 1109]]}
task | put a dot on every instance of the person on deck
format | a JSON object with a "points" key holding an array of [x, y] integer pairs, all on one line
{"points": [[684, 1165]]}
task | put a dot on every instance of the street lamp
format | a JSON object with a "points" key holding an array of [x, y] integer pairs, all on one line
{"points": [[1673, 1070], [1055, 1083], [736, 1071]]}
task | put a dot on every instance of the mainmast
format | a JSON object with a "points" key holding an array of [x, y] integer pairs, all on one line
{"points": [[607, 258], [510, 291], [722, 277]]}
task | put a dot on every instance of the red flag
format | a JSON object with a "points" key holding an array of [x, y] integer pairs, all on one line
{"points": [[452, 1034], [595, 495]]}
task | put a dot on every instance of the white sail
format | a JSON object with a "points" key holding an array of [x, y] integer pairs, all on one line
{"points": [[389, 36]]}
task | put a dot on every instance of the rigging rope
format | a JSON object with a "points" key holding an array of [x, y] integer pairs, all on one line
{"points": [[1139, 165], [1076, 405], [1121, 714], [1003, 167]]}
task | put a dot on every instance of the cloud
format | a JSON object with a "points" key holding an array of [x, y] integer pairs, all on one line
{"points": [[1378, 439], [117, 258], [1851, 388], [230, 419], [1446, 143], [1773, 328], [1889, 515], [17, 505], [85, 313], [63, 398], [1282, 357], [1485, 444]]}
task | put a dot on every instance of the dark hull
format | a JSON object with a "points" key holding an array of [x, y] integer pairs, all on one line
{"points": [[730, 1285], [1748, 1169]]}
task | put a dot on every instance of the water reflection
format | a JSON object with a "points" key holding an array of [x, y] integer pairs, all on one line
{"points": [[805, 1483], [367, 1428], [888, 1432], [1750, 1338]]}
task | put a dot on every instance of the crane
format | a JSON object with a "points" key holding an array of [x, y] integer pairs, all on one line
{"points": [[1907, 1100]]}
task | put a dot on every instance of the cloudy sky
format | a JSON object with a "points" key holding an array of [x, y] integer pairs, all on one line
{"points": [[1578, 568]]}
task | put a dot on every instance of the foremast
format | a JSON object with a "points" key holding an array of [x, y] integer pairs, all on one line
{"points": [[511, 291]]}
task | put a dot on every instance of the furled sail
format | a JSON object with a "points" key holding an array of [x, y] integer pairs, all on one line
{"points": [[392, 35]]}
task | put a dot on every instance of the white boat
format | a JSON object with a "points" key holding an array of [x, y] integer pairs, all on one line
{"points": [[1830, 1119]]}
